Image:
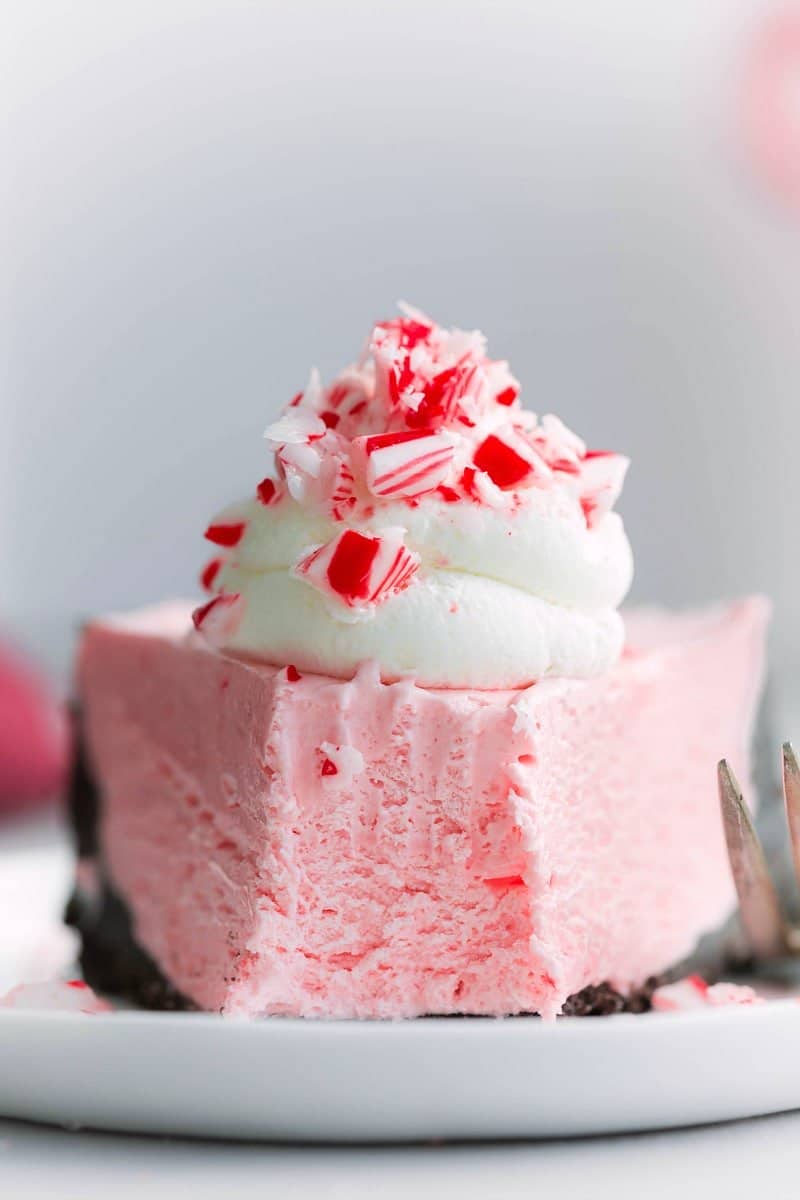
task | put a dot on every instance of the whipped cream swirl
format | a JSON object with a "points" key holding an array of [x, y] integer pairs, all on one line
{"points": [[418, 516]]}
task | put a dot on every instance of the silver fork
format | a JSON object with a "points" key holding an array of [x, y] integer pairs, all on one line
{"points": [[763, 921]]}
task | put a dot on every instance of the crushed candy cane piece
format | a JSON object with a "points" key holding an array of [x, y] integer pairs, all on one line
{"points": [[56, 996], [507, 396], [681, 996], [602, 475], [210, 572], [501, 384], [510, 460], [426, 375], [296, 426], [300, 465], [220, 618], [347, 400], [560, 448], [478, 486], [359, 569], [300, 457], [407, 463], [722, 993], [441, 401], [343, 761], [339, 486], [268, 492], [691, 993], [225, 533]]}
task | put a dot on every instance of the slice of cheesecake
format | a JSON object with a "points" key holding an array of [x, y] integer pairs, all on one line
{"points": [[260, 841]]}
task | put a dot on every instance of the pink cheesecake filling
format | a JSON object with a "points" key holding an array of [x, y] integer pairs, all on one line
{"points": [[296, 844]]}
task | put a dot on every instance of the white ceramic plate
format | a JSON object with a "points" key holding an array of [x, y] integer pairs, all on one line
{"points": [[389, 1081]]}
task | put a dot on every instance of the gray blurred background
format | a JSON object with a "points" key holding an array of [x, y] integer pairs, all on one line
{"points": [[200, 201]]}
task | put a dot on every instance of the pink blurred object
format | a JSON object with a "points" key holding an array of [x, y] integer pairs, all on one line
{"points": [[770, 108], [56, 995], [34, 736]]}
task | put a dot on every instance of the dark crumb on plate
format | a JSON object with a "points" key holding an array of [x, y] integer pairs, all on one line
{"points": [[602, 1000]]}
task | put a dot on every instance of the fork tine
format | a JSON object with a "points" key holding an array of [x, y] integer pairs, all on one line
{"points": [[791, 796], [759, 907]]}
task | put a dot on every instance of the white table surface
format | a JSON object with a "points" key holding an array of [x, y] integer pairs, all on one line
{"points": [[727, 1160], [759, 1158]]}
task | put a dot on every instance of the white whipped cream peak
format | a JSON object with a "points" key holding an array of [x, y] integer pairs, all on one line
{"points": [[417, 515]]}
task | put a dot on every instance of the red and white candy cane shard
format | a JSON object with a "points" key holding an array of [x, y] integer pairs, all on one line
{"points": [[429, 377], [478, 486], [360, 569], [340, 485], [560, 448], [71, 995], [444, 397], [269, 492], [693, 992], [300, 465], [210, 572], [507, 396], [225, 533], [510, 460], [601, 477], [297, 425], [405, 464], [403, 333], [720, 994], [681, 996], [347, 398], [501, 384], [219, 619]]}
